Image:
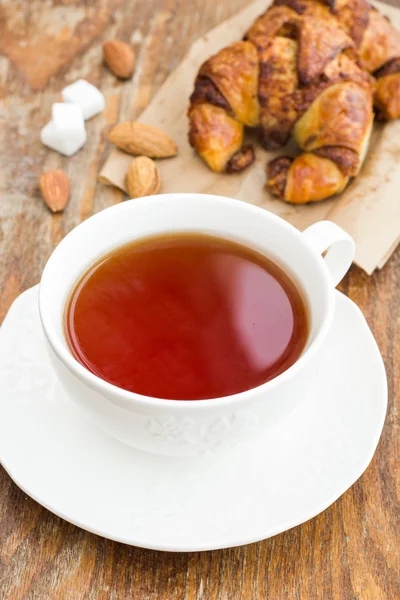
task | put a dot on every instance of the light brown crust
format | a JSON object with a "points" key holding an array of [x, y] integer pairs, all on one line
{"points": [[319, 43], [312, 8], [347, 68], [277, 83], [387, 93], [320, 37], [387, 96], [277, 20], [374, 35], [234, 72], [340, 69], [215, 135], [340, 116], [381, 42], [309, 178], [353, 16]]}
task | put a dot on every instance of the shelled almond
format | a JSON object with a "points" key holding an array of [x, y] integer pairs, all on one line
{"points": [[55, 189], [142, 178], [119, 58], [138, 138]]}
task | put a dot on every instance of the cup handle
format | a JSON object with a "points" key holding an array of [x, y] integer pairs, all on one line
{"points": [[339, 246]]}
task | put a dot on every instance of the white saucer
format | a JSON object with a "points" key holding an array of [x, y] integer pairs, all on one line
{"points": [[256, 491]]}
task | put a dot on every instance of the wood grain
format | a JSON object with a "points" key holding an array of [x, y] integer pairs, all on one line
{"points": [[352, 550]]}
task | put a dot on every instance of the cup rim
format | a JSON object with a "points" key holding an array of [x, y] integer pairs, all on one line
{"points": [[116, 394]]}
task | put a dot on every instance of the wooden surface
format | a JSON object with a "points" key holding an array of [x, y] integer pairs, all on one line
{"points": [[352, 550]]}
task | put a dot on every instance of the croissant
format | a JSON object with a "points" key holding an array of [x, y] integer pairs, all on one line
{"points": [[223, 102], [376, 42], [303, 69]]}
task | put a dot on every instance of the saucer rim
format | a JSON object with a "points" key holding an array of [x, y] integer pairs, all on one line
{"points": [[203, 547]]}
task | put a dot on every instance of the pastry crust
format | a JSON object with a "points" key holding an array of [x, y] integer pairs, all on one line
{"points": [[376, 42], [215, 134], [353, 15], [319, 43], [312, 8], [234, 72], [380, 43], [277, 20], [307, 178], [307, 68], [340, 116], [277, 84], [339, 70], [387, 96]]}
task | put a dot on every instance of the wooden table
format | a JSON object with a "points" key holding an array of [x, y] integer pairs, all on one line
{"points": [[352, 550]]}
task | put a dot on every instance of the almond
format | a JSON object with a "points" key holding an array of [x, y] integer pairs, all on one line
{"points": [[137, 138], [119, 58], [55, 189], [142, 178]]}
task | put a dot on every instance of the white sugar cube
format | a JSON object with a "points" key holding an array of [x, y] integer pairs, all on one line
{"points": [[67, 119], [65, 144], [86, 95]]}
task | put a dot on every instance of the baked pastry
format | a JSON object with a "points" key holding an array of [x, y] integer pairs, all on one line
{"points": [[378, 44], [223, 102], [334, 131], [303, 69], [376, 41]]}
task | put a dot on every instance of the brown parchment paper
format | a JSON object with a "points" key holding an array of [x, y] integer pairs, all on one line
{"points": [[369, 209]]}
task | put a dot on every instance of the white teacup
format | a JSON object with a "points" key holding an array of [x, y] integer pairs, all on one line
{"points": [[174, 427]]}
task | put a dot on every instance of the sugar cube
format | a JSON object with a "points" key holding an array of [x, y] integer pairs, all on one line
{"points": [[86, 95], [63, 143], [68, 119]]}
